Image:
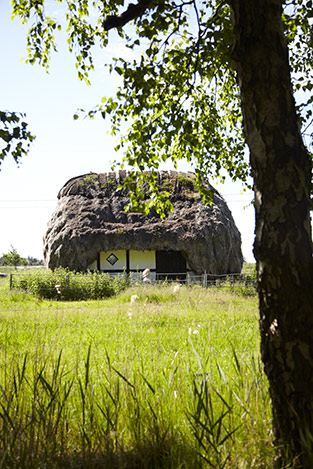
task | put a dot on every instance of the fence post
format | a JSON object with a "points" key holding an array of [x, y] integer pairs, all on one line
{"points": [[11, 281], [188, 279], [205, 280]]}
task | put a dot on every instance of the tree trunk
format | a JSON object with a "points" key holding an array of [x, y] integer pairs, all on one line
{"points": [[283, 246]]}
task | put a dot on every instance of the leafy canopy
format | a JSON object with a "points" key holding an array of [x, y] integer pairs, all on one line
{"points": [[179, 95], [15, 135]]}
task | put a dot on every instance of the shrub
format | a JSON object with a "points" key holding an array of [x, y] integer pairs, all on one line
{"points": [[63, 284]]}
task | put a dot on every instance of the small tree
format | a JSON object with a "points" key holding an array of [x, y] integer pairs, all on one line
{"points": [[13, 258]]}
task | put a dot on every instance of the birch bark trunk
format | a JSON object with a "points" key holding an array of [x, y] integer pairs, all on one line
{"points": [[283, 247]]}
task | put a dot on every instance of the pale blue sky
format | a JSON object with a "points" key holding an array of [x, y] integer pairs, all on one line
{"points": [[64, 148]]}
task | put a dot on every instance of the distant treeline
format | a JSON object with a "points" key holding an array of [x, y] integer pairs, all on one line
{"points": [[24, 261]]}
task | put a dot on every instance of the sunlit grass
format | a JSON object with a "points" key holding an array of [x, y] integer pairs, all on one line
{"points": [[172, 380]]}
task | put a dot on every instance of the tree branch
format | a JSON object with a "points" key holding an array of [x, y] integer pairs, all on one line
{"points": [[133, 11]]}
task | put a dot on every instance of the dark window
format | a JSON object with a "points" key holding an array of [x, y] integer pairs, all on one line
{"points": [[170, 265]]}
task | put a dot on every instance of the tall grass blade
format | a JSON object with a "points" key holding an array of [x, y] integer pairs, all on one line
{"points": [[123, 377], [56, 369], [87, 367], [196, 354], [148, 384]]}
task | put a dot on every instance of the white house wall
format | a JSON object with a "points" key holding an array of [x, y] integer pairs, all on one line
{"points": [[141, 260], [93, 265], [120, 264], [138, 261]]}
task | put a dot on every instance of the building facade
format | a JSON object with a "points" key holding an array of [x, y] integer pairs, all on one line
{"points": [[162, 264]]}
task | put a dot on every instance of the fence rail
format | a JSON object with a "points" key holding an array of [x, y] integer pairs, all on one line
{"points": [[246, 282]]}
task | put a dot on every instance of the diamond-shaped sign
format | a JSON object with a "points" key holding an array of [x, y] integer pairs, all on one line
{"points": [[112, 259]]}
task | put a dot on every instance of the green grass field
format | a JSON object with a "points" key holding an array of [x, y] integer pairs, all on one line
{"points": [[170, 381]]}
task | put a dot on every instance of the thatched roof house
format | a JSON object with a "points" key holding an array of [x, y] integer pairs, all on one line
{"points": [[90, 229]]}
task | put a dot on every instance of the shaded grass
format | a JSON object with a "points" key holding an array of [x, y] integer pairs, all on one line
{"points": [[169, 381]]}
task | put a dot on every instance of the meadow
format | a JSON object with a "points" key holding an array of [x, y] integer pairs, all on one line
{"points": [[170, 381]]}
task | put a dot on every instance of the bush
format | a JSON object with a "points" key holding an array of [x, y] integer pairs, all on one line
{"points": [[62, 284]]}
